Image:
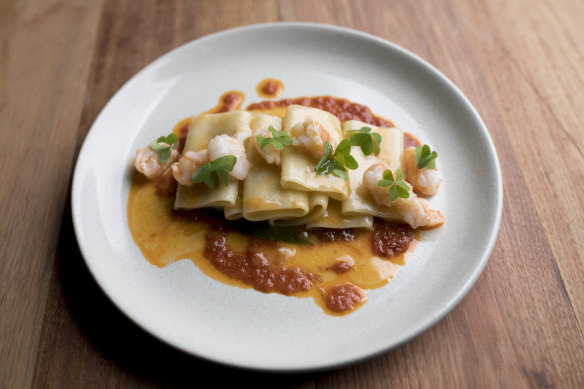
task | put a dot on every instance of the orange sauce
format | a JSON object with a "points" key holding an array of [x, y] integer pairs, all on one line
{"points": [[270, 88], [165, 236], [229, 101]]}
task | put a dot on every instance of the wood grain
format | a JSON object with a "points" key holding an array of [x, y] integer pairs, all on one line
{"points": [[43, 76], [520, 63]]}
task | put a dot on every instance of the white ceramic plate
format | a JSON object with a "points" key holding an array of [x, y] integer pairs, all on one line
{"points": [[246, 328]]}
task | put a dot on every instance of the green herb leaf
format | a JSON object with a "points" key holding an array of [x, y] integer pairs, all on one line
{"points": [[397, 188], [164, 146], [337, 163], [341, 173], [425, 158], [263, 142], [347, 161], [279, 139], [328, 150], [226, 162], [362, 130], [377, 142], [281, 136], [213, 172], [277, 144], [344, 148], [367, 140], [393, 194]]}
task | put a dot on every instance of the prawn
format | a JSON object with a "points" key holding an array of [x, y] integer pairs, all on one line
{"points": [[222, 145], [148, 163], [190, 161], [242, 131], [313, 136], [415, 211], [269, 154], [424, 181]]}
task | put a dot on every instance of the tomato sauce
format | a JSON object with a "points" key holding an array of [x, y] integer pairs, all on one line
{"points": [[343, 297], [390, 239], [229, 101], [270, 88]]}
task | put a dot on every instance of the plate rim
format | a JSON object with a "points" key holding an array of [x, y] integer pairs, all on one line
{"points": [[446, 307]]}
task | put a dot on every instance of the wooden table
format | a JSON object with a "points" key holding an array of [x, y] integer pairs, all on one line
{"points": [[520, 62]]}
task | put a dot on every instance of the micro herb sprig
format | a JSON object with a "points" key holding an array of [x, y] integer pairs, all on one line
{"points": [[397, 187], [369, 141], [213, 172], [164, 146], [337, 163], [279, 139], [425, 158]]}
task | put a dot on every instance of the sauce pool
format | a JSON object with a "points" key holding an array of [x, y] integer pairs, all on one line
{"points": [[270, 88]]}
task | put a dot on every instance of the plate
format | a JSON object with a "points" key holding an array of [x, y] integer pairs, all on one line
{"points": [[243, 327]]}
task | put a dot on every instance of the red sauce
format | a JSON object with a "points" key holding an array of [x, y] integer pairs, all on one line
{"points": [[258, 266], [166, 185], [341, 267], [390, 239], [343, 298], [410, 141], [342, 108], [229, 101], [335, 235], [270, 88]]}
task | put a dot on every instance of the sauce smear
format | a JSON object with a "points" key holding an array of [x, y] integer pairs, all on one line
{"points": [[270, 88], [229, 101]]}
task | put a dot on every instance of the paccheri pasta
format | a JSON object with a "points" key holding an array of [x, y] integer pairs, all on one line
{"points": [[287, 198]]}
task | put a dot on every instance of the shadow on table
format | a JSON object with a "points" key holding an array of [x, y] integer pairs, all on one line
{"points": [[126, 346]]}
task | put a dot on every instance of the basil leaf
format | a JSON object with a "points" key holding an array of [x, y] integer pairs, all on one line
{"points": [[344, 147], [393, 195], [171, 139], [328, 149], [277, 144], [367, 146], [226, 162], [359, 138], [211, 181], [401, 192], [425, 158], [398, 175], [341, 173], [223, 176], [351, 163], [286, 140]]}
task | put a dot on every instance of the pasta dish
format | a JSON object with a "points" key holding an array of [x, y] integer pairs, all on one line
{"points": [[311, 197]]}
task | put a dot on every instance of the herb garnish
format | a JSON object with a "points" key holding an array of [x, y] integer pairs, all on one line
{"points": [[211, 172], [279, 139], [337, 163], [397, 187], [369, 141], [164, 146], [425, 158]]}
